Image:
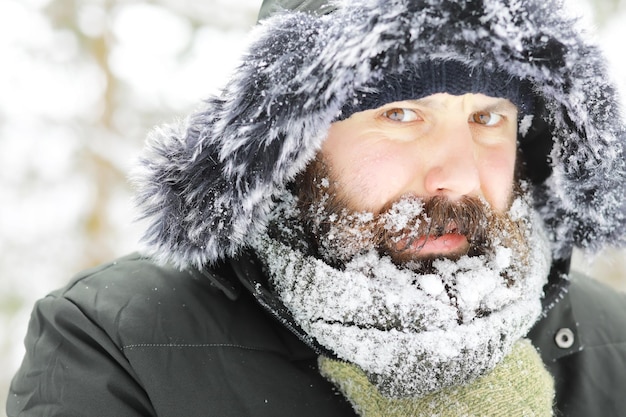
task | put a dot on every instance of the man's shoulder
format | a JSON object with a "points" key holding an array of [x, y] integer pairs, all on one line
{"points": [[169, 339], [581, 340], [587, 313], [599, 310], [134, 282], [138, 302], [123, 277]]}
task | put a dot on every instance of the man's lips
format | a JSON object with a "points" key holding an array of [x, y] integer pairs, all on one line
{"points": [[446, 244]]}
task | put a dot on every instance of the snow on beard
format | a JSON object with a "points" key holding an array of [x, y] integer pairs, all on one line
{"points": [[337, 234], [413, 325]]}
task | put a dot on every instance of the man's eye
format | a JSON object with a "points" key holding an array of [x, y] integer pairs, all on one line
{"points": [[401, 115], [485, 118]]}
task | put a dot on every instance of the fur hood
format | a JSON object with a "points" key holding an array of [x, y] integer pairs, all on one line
{"points": [[205, 185]]}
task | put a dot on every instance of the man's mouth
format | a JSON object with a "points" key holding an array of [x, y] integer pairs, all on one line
{"points": [[447, 244], [450, 243]]}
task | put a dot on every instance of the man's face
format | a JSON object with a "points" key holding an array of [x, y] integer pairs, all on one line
{"points": [[410, 232], [451, 151]]}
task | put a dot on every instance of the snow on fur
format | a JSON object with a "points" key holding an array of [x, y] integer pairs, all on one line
{"points": [[206, 185]]}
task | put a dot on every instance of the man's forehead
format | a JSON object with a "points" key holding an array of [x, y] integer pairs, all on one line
{"points": [[441, 101]]}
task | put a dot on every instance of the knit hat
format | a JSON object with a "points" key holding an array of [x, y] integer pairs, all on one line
{"points": [[439, 76]]}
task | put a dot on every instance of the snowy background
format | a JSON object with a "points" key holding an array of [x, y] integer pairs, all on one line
{"points": [[81, 83]]}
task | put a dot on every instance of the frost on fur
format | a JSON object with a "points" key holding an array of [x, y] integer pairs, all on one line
{"points": [[206, 186]]}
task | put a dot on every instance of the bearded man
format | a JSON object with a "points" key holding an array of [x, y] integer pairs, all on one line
{"points": [[375, 217]]}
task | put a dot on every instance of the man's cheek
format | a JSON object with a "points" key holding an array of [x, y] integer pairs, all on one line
{"points": [[497, 179], [374, 186]]}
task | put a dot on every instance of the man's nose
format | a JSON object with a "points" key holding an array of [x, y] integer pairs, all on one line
{"points": [[452, 166]]}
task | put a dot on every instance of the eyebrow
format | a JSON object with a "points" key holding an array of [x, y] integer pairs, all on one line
{"points": [[501, 105]]}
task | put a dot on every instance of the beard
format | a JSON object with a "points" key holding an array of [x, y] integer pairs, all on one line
{"points": [[359, 285], [337, 233]]}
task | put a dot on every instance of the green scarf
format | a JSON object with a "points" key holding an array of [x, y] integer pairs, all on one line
{"points": [[518, 386]]}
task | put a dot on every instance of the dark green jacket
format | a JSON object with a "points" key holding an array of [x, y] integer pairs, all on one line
{"points": [[133, 339]]}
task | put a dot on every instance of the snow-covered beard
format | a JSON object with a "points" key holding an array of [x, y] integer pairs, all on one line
{"points": [[414, 326]]}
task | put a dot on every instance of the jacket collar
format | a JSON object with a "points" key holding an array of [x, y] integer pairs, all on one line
{"points": [[247, 268]]}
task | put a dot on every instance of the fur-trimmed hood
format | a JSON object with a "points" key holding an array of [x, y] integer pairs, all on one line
{"points": [[206, 185]]}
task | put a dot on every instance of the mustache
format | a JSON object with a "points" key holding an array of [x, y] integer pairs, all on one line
{"points": [[410, 218]]}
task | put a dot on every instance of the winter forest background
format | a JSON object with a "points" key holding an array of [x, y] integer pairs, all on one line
{"points": [[81, 83]]}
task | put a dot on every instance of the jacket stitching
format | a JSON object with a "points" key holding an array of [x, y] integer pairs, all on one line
{"points": [[189, 345], [605, 345]]}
